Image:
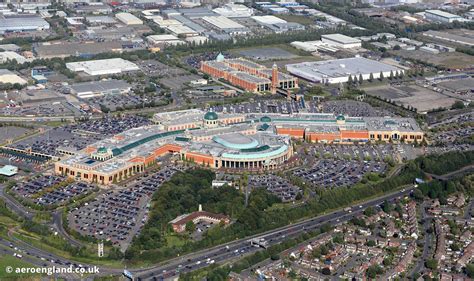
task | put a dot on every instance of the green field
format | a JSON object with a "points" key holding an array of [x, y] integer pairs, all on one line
{"points": [[7, 260]]}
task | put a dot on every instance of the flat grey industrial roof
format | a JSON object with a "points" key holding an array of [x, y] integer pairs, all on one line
{"points": [[340, 38], [187, 22], [442, 14], [198, 12], [340, 67], [101, 19], [5, 72], [76, 48], [10, 47], [20, 23]]}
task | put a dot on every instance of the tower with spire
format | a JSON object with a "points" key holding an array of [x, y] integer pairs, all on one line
{"points": [[275, 82]]}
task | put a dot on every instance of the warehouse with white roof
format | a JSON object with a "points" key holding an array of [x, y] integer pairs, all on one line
{"points": [[8, 77], [234, 11], [24, 23], [264, 20], [166, 39], [103, 67], [341, 41], [128, 19], [339, 70], [442, 16], [227, 25]]}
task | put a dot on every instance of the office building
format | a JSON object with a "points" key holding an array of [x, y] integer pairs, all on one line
{"points": [[248, 75]]}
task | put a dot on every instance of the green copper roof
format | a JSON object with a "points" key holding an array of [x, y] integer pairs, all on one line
{"points": [[118, 151], [210, 116], [102, 149]]}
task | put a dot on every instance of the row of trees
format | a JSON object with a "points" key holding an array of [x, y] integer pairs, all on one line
{"points": [[441, 164]]}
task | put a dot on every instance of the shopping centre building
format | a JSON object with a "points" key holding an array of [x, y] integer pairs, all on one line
{"points": [[253, 142]]}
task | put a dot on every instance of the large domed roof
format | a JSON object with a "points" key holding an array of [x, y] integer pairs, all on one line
{"points": [[210, 116]]}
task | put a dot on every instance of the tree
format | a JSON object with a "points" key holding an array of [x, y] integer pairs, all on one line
{"points": [[316, 253], [371, 77], [326, 271], [387, 207], [470, 270], [431, 264], [360, 78], [388, 261], [381, 76], [349, 80], [374, 270], [458, 105], [275, 257], [391, 75], [418, 195], [190, 226], [371, 243], [369, 211]]}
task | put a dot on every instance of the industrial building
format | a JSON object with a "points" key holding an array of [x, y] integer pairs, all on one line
{"points": [[100, 20], [61, 49], [23, 23], [251, 142], [232, 10], [339, 70], [182, 30], [248, 75], [10, 47], [128, 19], [103, 67], [442, 16], [94, 8], [8, 77], [91, 89], [341, 41], [164, 39], [329, 43], [226, 25], [10, 56], [277, 24]]}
